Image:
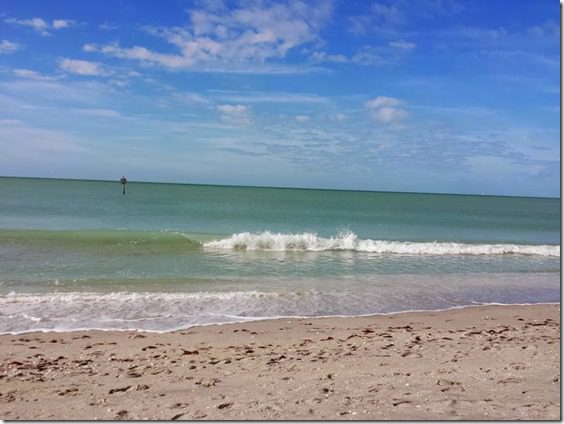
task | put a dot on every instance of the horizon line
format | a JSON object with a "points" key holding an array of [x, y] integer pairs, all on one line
{"points": [[282, 187]]}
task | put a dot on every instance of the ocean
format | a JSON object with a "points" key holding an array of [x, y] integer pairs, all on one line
{"points": [[80, 255]]}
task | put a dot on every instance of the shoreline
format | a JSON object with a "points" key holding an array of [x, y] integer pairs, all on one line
{"points": [[477, 362], [276, 318]]}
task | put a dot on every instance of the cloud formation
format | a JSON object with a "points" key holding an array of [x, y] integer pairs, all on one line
{"points": [[378, 17], [81, 67], [269, 97], [62, 23], [40, 25], [29, 74], [8, 47], [254, 34], [238, 115], [402, 45], [386, 109]]}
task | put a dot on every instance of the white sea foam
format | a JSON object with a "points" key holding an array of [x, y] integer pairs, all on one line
{"points": [[164, 311], [268, 241], [133, 311]]}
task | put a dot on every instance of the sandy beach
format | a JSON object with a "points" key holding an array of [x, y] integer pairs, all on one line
{"points": [[495, 362]]}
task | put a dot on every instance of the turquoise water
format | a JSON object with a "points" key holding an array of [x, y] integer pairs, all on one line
{"points": [[79, 254]]}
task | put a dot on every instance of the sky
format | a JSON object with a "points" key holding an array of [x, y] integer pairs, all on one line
{"points": [[443, 96]]}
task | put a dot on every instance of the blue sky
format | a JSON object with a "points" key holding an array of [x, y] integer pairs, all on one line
{"points": [[426, 95]]}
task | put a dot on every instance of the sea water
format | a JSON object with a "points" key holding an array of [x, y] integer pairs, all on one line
{"points": [[80, 255]]}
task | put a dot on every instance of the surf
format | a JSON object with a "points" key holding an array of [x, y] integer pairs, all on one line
{"points": [[349, 241]]}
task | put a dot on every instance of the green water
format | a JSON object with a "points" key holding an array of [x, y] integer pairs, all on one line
{"points": [[167, 256], [220, 210]]}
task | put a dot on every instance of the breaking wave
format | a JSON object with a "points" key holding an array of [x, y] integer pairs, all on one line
{"points": [[268, 241]]}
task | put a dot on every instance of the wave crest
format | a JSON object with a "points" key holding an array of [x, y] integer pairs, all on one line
{"points": [[279, 242]]}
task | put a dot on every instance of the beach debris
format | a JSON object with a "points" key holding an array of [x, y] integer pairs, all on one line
{"points": [[404, 327], [121, 413], [224, 405], [446, 385], [207, 382], [509, 380], [276, 360], [67, 391], [119, 389], [82, 362], [148, 347]]}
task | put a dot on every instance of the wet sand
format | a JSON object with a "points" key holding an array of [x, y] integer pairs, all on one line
{"points": [[495, 362]]}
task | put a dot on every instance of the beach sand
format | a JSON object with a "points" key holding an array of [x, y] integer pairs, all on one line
{"points": [[494, 362]]}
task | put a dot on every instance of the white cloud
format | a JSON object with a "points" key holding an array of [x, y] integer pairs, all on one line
{"points": [[141, 54], [367, 55], [402, 45], [389, 114], [302, 118], [37, 24], [379, 17], [389, 14], [99, 113], [324, 57], [81, 67], [40, 25], [63, 23], [480, 33], [8, 47], [29, 74], [254, 34], [381, 101], [386, 109], [234, 114], [108, 26], [546, 29], [90, 47], [269, 97]]}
